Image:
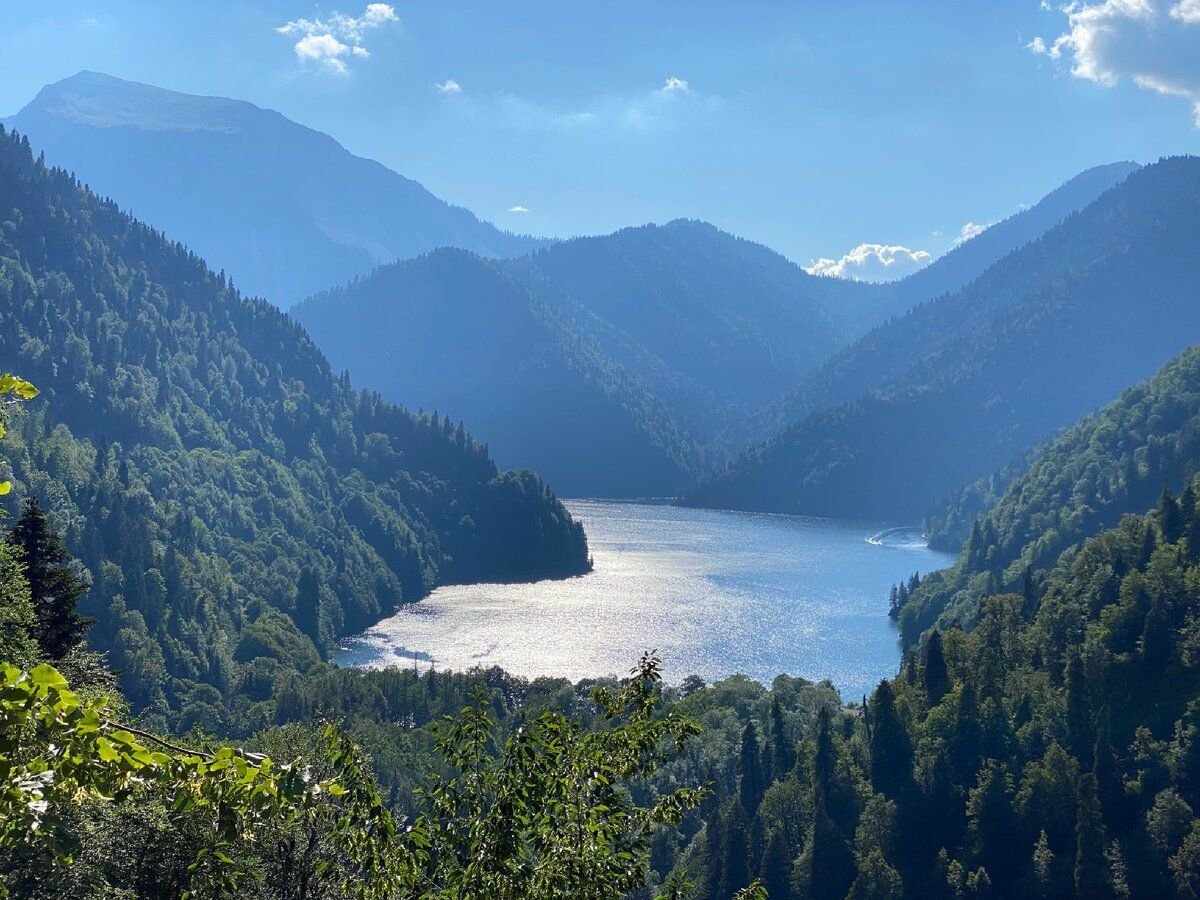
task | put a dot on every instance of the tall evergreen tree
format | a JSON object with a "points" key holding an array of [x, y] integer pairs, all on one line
{"points": [[992, 823], [783, 749], [775, 872], [308, 605], [934, 674], [1080, 729], [752, 781], [876, 880], [891, 747], [1091, 867], [826, 868], [1170, 518], [55, 583]]}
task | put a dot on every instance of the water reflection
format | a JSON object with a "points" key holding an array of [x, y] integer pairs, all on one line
{"points": [[715, 592]]}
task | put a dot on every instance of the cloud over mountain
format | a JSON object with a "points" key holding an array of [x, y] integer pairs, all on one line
{"points": [[873, 262]]}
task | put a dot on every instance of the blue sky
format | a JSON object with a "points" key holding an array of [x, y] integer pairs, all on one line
{"points": [[812, 127]]}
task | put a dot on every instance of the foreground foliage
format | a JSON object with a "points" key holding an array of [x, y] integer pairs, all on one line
{"points": [[546, 814]]}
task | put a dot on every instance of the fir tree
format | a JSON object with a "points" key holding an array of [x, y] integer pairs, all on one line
{"points": [[776, 869], [826, 868], [783, 750], [934, 675], [1170, 518], [1091, 867], [1080, 729], [55, 583], [308, 605], [891, 747], [752, 782]]}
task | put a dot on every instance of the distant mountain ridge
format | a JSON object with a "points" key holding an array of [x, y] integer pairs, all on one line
{"points": [[885, 350], [962, 384], [682, 343], [605, 363], [285, 210]]}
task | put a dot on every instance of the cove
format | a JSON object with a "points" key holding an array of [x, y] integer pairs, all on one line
{"points": [[715, 592]]}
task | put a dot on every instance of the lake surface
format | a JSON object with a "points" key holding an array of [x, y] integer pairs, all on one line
{"points": [[715, 592]]}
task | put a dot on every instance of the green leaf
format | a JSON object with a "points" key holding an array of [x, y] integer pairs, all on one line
{"points": [[47, 676]]}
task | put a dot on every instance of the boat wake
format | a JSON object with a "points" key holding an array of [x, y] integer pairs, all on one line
{"points": [[888, 537]]}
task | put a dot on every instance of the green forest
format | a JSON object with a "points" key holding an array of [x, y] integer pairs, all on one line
{"points": [[238, 505]]}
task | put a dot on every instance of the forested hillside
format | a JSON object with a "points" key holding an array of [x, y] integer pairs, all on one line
{"points": [[972, 380], [1053, 751], [454, 332], [939, 303], [970, 259], [1111, 464], [284, 210], [237, 505], [608, 364]]}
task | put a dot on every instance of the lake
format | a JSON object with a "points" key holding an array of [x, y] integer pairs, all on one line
{"points": [[715, 592]]}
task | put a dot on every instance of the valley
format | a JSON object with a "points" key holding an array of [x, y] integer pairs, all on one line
{"points": [[355, 547]]}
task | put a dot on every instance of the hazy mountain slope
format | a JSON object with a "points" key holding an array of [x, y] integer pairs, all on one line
{"points": [[201, 457], [1114, 462], [606, 363], [927, 319], [966, 262], [452, 332], [1054, 330], [717, 310], [284, 210]]}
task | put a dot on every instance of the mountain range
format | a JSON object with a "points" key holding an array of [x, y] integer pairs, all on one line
{"points": [[660, 351], [963, 383], [286, 211], [639, 363]]}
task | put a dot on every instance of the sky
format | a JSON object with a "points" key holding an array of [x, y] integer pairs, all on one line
{"points": [[858, 138]]}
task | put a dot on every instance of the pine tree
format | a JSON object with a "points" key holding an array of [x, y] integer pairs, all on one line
{"points": [[876, 880], [934, 675], [308, 605], [775, 873], [1155, 644], [1029, 594], [752, 782], [826, 868], [993, 824], [1080, 730], [1110, 788], [1170, 519], [55, 583], [734, 847], [782, 748], [1091, 867], [891, 747]]}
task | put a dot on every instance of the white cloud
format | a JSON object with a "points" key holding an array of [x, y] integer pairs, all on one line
{"points": [[329, 43], [968, 231], [518, 209], [449, 86], [654, 108], [1153, 43], [873, 262]]}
